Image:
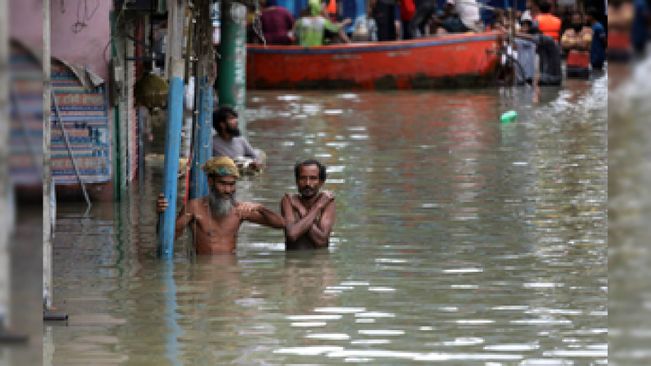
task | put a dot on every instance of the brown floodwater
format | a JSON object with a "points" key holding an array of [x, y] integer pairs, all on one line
{"points": [[458, 240]]}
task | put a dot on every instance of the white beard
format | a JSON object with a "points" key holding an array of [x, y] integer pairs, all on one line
{"points": [[220, 206]]}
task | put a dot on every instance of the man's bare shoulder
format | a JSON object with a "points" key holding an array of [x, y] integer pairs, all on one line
{"points": [[290, 196], [244, 204]]}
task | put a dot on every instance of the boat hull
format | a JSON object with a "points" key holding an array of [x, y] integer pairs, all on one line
{"points": [[460, 60]]}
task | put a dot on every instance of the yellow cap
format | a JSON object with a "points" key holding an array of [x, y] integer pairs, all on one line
{"points": [[222, 166]]}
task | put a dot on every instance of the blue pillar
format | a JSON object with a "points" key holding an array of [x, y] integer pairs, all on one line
{"points": [[171, 167], [203, 141]]}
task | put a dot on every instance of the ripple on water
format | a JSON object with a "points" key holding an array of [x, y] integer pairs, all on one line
{"points": [[340, 310], [512, 347], [308, 324], [374, 314], [333, 112], [463, 341], [464, 270], [314, 317], [381, 332], [289, 98], [329, 336]]}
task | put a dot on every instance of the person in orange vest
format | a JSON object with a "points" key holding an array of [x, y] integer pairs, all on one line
{"points": [[548, 24], [331, 9]]}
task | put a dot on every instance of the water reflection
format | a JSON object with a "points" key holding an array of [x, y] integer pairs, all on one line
{"points": [[458, 240]]}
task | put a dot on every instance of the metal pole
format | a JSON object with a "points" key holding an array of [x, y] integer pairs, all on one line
{"points": [[116, 149], [6, 222], [203, 144], [47, 172], [174, 123], [203, 139], [70, 153], [232, 63]]}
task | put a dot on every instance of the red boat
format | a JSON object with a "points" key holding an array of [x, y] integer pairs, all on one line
{"points": [[455, 60]]}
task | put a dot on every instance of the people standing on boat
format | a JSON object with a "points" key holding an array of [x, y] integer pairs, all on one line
{"points": [[407, 11], [229, 142], [449, 21], [598, 44], [364, 29], [384, 13], [277, 24], [468, 11], [309, 215], [310, 30], [216, 219], [549, 24], [425, 10]]}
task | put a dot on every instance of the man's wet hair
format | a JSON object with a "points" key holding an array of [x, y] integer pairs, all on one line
{"points": [[221, 115], [322, 168], [545, 7]]}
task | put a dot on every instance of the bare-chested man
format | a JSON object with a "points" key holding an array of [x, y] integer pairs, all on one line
{"points": [[216, 218], [309, 215]]}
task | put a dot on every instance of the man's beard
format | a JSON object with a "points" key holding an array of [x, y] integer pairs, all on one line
{"points": [[308, 192], [219, 204], [233, 131]]}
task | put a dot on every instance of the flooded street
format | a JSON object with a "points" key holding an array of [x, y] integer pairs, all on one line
{"points": [[458, 240], [629, 212]]}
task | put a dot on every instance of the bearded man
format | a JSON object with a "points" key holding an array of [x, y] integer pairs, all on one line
{"points": [[309, 215], [228, 140], [216, 218]]}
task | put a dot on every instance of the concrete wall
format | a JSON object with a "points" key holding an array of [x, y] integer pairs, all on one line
{"points": [[26, 23], [71, 41], [78, 44]]}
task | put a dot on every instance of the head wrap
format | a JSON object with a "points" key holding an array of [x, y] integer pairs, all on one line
{"points": [[315, 7], [222, 166]]}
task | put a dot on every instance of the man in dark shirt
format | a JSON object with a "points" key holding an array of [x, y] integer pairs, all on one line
{"points": [[277, 24], [598, 45], [384, 13], [229, 142], [449, 19], [549, 56]]}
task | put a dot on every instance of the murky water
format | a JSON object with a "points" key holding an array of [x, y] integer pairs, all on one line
{"points": [[458, 240], [629, 215]]}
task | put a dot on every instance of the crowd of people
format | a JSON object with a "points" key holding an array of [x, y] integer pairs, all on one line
{"points": [[385, 20], [544, 31], [578, 36], [322, 21]]}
